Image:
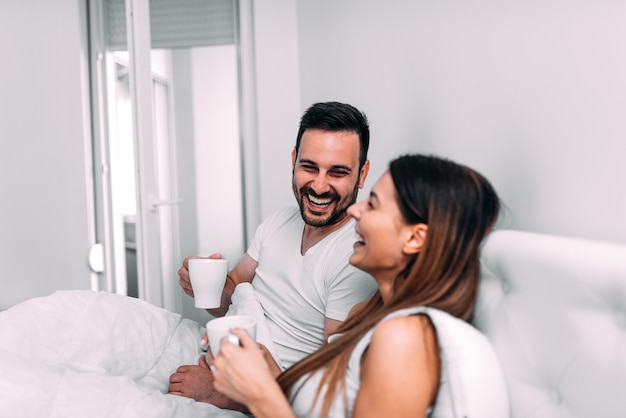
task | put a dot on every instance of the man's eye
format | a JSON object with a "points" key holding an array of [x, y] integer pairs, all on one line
{"points": [[339, 173]]}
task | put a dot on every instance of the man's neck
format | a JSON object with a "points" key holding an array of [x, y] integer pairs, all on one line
{"points": [[314, 234]]}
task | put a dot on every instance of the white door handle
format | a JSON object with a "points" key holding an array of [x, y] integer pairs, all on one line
{"points": [[165, 202], [96, 258]]}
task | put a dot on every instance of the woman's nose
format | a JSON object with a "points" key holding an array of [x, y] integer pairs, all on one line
{"points": [[354, 211]]}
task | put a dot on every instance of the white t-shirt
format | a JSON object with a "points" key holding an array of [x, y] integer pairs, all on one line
{"points": [[297, 292]]}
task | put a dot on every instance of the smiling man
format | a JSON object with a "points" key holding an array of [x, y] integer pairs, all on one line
{"points": [[298, 262]]}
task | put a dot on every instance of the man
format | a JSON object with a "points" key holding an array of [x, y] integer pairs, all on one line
{"points": [[298, 262]]}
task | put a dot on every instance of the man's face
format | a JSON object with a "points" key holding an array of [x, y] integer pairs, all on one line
{"points": [[326, 175]]}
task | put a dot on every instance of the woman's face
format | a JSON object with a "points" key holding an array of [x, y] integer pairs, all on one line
{"points": [[381, 231]]}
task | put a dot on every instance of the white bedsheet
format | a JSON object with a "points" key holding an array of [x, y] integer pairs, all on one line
{"points": [[95, 354]]}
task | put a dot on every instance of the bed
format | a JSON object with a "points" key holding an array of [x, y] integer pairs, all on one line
{"points": [[95, 354], [553, 308]]}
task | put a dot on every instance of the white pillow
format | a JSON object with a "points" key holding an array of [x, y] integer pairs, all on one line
{"points": [[472, 381]]}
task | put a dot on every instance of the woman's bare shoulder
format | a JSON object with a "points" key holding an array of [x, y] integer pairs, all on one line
{"points": [[406, 330]]}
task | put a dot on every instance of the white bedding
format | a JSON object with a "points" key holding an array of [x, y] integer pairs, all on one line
{"points": [[95, 354]]}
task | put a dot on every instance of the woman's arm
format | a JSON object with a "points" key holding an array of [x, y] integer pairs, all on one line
{"points": [[243, 374], [401, 370]]}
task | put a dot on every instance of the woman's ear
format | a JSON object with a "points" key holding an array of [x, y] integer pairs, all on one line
{"points": [[416, 238]]}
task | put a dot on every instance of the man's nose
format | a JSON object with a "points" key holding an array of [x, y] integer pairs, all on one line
{"points": [[320, 184]]}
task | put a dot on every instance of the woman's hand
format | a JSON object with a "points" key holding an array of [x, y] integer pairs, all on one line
{"points": [[274, 368], [243, 374]]}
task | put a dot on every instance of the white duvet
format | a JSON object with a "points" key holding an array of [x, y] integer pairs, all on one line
{"points": [[95, 354]]}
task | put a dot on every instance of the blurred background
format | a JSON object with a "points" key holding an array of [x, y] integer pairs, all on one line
{"points": [[136, 133]]}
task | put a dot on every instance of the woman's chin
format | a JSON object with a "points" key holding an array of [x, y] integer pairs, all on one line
{"points": [[354, 260], [357, 261]]}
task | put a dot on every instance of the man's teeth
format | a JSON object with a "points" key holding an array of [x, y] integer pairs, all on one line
{"points": [[319, 202]]}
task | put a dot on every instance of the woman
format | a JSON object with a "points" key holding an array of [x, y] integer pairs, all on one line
{"points": [[419, 236]]}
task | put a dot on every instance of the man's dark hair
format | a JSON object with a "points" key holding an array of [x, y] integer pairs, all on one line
{"points": [[335, 116]]}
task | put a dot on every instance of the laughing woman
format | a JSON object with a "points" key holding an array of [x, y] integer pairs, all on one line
{"points": [[419, 235]]}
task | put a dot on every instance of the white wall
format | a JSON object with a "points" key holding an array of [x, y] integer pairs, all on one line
{"points": [[278, 97], [217, 159], [532, 94], [208, 151], [217, 151], [45, 230]]}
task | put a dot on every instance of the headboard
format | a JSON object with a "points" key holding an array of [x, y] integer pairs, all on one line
{"points": [[554, 309]]}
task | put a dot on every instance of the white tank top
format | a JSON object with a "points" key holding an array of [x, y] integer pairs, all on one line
{"points": [[465, 355]]}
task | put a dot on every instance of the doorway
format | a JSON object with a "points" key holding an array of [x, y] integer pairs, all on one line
{"points": [[167, 114]]}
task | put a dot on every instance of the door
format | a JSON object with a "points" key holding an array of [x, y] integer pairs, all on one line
{"points": [[151, 276], [164, 117]]}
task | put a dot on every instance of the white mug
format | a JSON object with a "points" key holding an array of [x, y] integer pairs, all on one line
{"points": [[208, 276], [219, 328]]}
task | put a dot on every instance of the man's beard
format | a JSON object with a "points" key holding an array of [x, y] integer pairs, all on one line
{"points": [[338, 213]]}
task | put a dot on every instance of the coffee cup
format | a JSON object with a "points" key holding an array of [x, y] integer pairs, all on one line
{"points": [[219, 328], [208, 276]]}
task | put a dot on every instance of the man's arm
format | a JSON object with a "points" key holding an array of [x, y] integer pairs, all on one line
{"points": [[330, 325], [196, 381], [243, 272]]}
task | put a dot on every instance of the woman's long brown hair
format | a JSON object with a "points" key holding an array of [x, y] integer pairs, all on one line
{"points": [[460, 207]]}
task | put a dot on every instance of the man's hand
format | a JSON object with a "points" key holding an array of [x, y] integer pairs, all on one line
{"points": [[196, 382], [242, 273], [183, 273]]}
